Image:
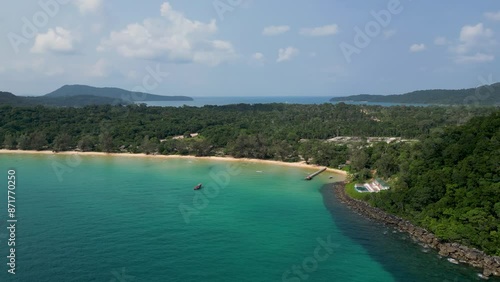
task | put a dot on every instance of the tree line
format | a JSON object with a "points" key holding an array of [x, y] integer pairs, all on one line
{"points": [[449, 182], [265, 131]]}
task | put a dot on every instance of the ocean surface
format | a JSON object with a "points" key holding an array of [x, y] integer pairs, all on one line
{"points": [[219, 101], [138, 219]]}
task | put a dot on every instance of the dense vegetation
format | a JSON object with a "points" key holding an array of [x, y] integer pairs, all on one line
{"points": [[444, 173], [449, 182], [484, 95], [265, 131], [7, 98]]}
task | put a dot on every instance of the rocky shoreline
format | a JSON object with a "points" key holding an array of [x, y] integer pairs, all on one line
{"points": [[474, 257]]}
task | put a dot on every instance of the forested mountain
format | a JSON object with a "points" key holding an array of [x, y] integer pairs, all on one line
{"points": [[484, 95], [7, 98], [81, 95], [448, 183], [110, 92]]}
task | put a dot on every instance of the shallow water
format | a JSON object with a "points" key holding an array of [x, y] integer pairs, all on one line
{"points": [[138, 219]]}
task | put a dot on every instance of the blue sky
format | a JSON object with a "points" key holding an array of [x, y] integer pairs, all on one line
{"points": [[249, 47]]}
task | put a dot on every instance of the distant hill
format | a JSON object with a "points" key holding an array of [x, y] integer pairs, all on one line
{"points": [[7, 98], [484, 95], [114, 93]]}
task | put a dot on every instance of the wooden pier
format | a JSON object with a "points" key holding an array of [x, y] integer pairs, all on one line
{"points": [[311, 176]]}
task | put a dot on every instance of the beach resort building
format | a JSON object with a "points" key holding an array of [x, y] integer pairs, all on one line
{"points": [[375, 186]]}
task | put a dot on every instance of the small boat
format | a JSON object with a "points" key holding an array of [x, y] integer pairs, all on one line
{"points": [[197, 187], [452, 260]]}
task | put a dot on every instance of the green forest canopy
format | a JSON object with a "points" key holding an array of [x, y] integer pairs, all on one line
{"points": [[448, 183], [483, 95]]}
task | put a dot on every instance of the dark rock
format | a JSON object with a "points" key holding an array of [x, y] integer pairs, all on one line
{"points": [[471, 256]]}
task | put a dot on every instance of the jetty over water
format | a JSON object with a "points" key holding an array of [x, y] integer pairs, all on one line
{"points": [[311, 176]]}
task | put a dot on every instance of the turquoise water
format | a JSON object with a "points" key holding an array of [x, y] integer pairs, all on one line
{"points": [[138, 219], [202, 101]]}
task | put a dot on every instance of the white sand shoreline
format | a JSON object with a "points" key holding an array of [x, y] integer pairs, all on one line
{"points": [[228, 158]]}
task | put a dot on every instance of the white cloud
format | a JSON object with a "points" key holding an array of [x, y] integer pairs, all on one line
{"points": [[474, 44], [474, 34], [389, 33], [417, 48], [286, 54], [88, 6], [58, 40], [173, 37], [258, 56], [320, 31], [476, 58], [493, 16], [275, 30], [99, 69], [257, 59], [440, 41]]}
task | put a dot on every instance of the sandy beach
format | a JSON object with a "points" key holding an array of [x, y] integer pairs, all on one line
{"points": [[130, 155]]}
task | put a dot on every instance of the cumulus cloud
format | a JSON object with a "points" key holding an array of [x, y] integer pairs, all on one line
{"points": [[258, 56], [474, 44], [58, 40], [173, 37], [320, 31], [286, 54], [88, 6], [472, 35], [417, 48], [275, 30], [257, 59], [493, 16]]}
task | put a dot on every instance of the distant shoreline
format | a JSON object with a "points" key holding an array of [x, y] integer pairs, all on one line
{"points": [[226, 158]]}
